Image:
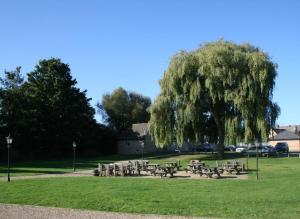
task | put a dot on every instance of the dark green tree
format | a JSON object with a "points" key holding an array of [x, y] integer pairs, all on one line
{"points": [[62, 112], [221, 90], [12, 100], [12, 106], [121, 109], [47, 112]]}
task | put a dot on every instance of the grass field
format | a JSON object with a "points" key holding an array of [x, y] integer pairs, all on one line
{"points": [[66, 165], [275, 195], [55, 166]]}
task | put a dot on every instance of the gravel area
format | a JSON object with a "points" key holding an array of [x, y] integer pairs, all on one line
{"points": [[9, 211], [178, 175]]}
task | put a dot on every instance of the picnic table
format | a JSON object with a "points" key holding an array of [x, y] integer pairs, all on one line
{"points": [[152, 168], [233, 167], [193, 167], [210, 172], [165, 170], [105, 169], [175, 164]]}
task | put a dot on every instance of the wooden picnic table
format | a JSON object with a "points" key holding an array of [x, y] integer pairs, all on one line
{"points": [[152, 168], [232, 166], [194, 167], [210, 172], [165, 170], [175, 164]]}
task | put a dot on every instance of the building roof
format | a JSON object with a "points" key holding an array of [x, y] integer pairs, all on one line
{"points": [[141, 128], [291, 128], [285, 135], [136, 132]]}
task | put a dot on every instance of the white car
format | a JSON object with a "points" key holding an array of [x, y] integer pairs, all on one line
{"points": [[240, 149]]}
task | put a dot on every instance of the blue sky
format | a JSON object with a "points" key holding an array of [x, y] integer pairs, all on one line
{"points": [[129, 43]]}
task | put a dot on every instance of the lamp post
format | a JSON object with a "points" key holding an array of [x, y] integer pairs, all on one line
{"points": [[142, 146], [9, 142], [74, 149], [247, 161], [258, 145]]}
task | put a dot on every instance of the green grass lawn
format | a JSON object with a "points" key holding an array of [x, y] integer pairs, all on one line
{"points": [[275, 195], [56, 166], [66, 165]]}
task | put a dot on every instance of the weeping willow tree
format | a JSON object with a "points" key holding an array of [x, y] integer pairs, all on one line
{"points": [[221, 91]]}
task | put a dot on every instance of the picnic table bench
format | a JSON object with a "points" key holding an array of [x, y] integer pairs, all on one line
{"points": [[175, 164], [193, 167], [165, 170], [122, 168], [105, 169], [210, 172], [152, 168], [234, 167]]}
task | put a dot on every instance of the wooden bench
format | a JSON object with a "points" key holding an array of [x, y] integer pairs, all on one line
{"points": [[234, 166], [209, 172], [194, 166], [164, 171]]}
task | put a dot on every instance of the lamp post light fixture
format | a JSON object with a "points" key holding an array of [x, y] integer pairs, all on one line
{"points": [[74, 154], [9, 142]]}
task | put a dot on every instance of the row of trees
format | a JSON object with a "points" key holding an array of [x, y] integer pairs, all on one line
{"points": [[221, 92], [46, 112]]}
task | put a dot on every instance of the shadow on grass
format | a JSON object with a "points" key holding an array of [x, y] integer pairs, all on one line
{"points": [[34, 172]]}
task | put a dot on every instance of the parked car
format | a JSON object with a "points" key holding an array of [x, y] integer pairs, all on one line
{"points": [[206, 147], [230, 148], [240, 149], [282, 147], [261, 150]]}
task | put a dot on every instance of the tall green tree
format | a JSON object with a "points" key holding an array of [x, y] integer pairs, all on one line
{"points": [[13, 104], [61, 111], [121, 109], [12, 100], [221, 90]]}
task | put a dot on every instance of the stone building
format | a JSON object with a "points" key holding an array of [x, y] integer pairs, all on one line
{"points": [[137, 140]]}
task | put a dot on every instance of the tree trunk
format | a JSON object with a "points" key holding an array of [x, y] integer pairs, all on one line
{"points": [[220, 145], [218, 114]]}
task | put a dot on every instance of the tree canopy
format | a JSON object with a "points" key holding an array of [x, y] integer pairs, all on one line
{"points": [[121, 109], [221, 91], [45, 113]]}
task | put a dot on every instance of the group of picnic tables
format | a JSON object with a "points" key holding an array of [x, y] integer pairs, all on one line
{"points": [[136, 167], [143, 167], [229, 167]]}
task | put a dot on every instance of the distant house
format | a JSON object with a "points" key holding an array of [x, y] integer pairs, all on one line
{"points": [[289, 134]]}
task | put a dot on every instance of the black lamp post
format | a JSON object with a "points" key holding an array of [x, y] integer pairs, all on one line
{"points": [[74, 153], [142, 146], [9, 142], [258, 145]]}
